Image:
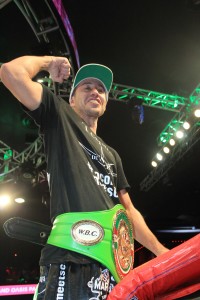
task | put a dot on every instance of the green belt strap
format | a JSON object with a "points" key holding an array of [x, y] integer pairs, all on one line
{"points": [[88, 233]]}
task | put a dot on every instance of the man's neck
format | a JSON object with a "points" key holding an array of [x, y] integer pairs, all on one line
{"points": [[91, 123]]}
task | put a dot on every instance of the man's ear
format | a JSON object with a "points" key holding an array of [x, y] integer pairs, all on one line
{"points": [[72, 101]]}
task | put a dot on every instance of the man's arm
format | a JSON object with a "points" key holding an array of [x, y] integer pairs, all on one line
{"points": [[17, 76], [140, 229]]}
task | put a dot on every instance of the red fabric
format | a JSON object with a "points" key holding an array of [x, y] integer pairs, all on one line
{"points": [[173, 274], [181, 292]]}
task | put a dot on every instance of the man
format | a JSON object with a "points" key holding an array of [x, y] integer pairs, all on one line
{"points": [[88, 188]]}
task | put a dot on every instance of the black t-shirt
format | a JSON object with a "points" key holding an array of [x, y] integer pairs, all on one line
{"points": [[84, 173]]}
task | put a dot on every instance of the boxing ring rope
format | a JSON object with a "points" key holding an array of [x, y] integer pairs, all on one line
{"points": [[171, 275]]}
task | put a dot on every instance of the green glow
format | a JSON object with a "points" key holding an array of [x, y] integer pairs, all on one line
{"points": [[180, 117], [195, 96], [123, 97], [169, 131], [8, 154], [163, 138], [26, 122]]}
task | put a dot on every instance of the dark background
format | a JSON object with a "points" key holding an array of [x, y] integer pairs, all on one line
{"points": [[153, 45]]}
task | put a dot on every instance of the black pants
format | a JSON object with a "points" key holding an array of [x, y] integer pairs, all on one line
{"points": [[72, 281]]}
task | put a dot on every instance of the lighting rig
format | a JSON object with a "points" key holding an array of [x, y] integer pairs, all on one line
{"points": [[177, 138]]}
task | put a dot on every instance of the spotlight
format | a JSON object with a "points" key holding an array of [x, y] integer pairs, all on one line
{"points": [[4, 200], [28, 172], [172, 142], [166, 149], [179, 134], [154, 164], [197, 113], [19, 200], [186, 125], [159, 156]]}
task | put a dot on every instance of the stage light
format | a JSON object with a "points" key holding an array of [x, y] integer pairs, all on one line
{"points": [[163, 139], [4, 200], [19, 200], [172, 142], [166, 150], [179, 134], [28, 172], [159, 156], [154, 164], [186, 125], [197, 113]]}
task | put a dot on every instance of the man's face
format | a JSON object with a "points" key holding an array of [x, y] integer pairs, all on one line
{"points": [[89, 98]]}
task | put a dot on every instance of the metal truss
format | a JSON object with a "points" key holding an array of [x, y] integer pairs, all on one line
{"points": [[175, 155], [49, 28], [193, 136], [148, 98], [124, 93], [171, 128], [182, 115], [11, 160]]}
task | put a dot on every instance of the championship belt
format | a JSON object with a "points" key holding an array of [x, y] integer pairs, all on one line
{"points": [[105, 236], [123, 247]]}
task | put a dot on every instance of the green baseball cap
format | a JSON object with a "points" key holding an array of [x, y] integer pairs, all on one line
{"points": [[96, 71]]}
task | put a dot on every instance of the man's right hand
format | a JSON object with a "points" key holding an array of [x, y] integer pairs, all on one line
{"points": [[59, 68], [17, 75]]}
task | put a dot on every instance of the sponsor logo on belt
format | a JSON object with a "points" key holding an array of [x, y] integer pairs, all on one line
{"points": [[87, 232]]}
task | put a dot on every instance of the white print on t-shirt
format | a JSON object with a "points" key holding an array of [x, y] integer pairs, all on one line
{"points": [[102, 180], [100, 159], [95, 137]]}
